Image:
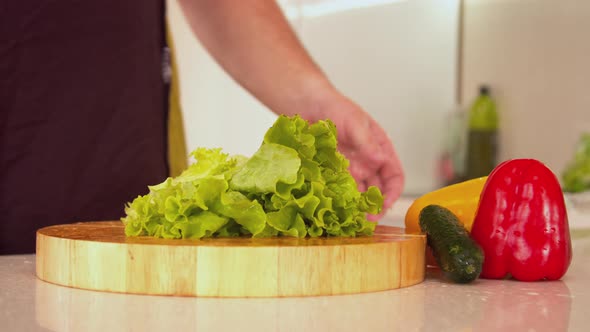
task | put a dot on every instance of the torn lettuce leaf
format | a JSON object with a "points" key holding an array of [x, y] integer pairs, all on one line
{"points": [[271, 165], [297, 184]]}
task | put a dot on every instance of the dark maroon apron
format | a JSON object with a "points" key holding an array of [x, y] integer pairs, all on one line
{"points": [[82, 112]]}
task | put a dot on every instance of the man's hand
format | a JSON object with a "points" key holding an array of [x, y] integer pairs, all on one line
{"points": [[255, 44], [373, 160]]}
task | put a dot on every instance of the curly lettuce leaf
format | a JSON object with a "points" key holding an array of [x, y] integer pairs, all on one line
{"points": [[200, 225], [288, 221], [179, 207], [270, 165], [245, 212], [297, 184]]}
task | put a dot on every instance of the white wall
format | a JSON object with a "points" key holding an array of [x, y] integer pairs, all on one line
{"points": [[397, 59], [535, 54], [217, 111]]}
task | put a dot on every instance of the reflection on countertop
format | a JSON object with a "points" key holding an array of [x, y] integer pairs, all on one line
{"points": [[28, 304], [430, 306]]}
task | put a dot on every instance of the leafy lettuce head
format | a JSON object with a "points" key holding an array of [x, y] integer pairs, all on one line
{"points": [[296, 184]]}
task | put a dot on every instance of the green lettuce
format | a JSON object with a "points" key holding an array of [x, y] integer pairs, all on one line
{"points": [[576, 176], [296, 184]]}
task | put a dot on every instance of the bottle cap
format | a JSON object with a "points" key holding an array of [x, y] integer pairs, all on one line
{"points": [[484, 90]]}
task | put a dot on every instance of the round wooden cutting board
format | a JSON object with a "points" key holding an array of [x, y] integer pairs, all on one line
{"points": [[98, 256]]}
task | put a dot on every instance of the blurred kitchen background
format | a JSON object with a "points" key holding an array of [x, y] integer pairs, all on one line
{"points": [[416, 66]]}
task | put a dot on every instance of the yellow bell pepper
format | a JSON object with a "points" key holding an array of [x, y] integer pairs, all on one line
{"points": [[461, 198]]}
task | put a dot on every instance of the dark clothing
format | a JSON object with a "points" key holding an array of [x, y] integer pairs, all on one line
{"points": [[83, 112]]}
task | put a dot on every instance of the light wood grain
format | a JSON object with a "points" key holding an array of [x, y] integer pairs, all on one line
{"points": [[98, 256]]}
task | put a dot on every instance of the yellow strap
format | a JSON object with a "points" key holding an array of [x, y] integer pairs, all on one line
{"points": [[177, 155]]}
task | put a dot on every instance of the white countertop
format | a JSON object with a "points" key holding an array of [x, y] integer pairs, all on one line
{"points": [[28, 304]]}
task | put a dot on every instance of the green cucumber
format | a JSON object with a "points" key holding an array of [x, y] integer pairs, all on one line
{"points": [[457, 254]]}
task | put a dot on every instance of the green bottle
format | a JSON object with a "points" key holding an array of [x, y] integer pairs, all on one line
{"points": [[482, 138]]}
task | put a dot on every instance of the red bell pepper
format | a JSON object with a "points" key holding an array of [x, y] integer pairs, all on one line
{"points": [[521, 223]]}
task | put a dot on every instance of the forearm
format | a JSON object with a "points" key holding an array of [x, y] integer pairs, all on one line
{"points": [[254, 43]]}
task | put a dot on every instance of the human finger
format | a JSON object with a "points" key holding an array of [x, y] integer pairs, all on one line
{"points": [[391, 178]]}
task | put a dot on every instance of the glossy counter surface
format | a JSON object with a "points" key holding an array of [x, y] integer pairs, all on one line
{"points": [[28, 304]]}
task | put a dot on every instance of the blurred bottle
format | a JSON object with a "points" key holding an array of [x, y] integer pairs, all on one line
{"points": [[482, 136], [451, 167]]}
